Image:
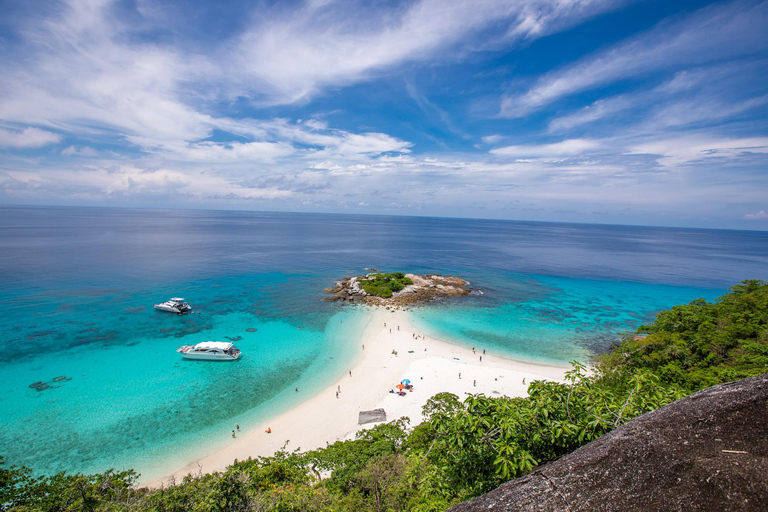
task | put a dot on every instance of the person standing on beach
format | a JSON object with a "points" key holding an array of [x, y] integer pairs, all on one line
{"points": [[459, 374], [481, 359], [523, 380], [233, 434], [350, 373], [474, 383], [238, 428], [338, 388], [337, 394]]}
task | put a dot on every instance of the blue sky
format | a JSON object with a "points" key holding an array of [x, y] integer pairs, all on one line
{"points": [[628, 112]]}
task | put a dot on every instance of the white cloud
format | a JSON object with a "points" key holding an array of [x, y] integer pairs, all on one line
{"points": [[702, 95], [226, 152], [86, 151], [329, 43], [81, 74], [713, 33], [696, 109], [759, 215], [591, 113], [112, 180], [493, 139], [368, 144], [28, 138], [675, 152], [570, 147]]}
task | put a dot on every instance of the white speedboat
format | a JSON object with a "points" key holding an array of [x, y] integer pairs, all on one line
{"points": [[175, 305], [210, 351]]}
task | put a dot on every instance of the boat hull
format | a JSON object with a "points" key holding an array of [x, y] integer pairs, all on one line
{"points": [[209, 357], [170, 309]]}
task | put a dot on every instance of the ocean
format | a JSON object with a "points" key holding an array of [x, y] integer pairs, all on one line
{"points": [[78, 285]]}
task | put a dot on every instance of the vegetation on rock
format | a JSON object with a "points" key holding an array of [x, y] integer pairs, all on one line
{"points": [[464, 448], [384, 285]]}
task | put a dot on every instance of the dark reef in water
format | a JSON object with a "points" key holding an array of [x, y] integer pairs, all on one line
{"points": [[42, 386]]}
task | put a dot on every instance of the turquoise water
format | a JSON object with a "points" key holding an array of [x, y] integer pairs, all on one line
{"points": [[554, 320], [79, 284], [134, 402]]}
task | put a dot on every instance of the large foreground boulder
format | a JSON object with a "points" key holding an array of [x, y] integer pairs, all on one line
{"points": [[707, 452]]}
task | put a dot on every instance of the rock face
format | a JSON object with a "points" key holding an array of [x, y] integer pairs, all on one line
{"points": [[424, 289], [705, 452]]}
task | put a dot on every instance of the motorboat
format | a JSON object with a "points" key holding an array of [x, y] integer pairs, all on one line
{"points": [[210, 351], [175, 305]]}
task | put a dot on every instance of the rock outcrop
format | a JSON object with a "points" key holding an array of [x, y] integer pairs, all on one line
{"points": [[705, 452], [424, 289]]}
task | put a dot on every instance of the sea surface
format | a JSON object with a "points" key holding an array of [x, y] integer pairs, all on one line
{"points": [[78, 285]]}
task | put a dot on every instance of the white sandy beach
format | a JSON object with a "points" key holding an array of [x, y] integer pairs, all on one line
{"points": [[433, 366]]}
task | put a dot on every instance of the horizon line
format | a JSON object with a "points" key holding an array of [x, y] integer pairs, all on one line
{"points": [[113, 207]]}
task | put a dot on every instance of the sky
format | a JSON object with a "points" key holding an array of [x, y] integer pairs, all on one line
{"points": [[600, 111]]}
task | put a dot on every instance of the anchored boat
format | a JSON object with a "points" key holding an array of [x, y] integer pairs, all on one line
{"points": [[175, 305], [210, 351]]}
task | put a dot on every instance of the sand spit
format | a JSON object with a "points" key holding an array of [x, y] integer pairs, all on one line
{"points": [[391, 350]]}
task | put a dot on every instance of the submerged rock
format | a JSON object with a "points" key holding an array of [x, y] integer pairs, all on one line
{"points": [[708, 451], [40, 386], [251, 329]]}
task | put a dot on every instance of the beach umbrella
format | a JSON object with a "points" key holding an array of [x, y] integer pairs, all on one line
{"points": [[405, 381], [400, 386]]}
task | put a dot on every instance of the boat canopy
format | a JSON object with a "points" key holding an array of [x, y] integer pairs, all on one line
{"points": [[221, 345], [177, 299]]}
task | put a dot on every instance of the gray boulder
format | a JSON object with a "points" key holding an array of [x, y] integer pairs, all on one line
{"points": [[705, 452]]}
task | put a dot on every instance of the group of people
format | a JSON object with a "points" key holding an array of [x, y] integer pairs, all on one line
{"points": [[237, 429]]}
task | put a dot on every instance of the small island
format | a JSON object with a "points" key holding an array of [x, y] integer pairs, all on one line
{"points": [[397, 288]]}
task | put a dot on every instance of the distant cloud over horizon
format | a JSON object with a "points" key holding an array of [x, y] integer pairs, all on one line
{"points": [[585, 111]]}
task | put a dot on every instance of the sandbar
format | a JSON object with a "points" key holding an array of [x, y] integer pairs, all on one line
{"points": [[432, 365]]}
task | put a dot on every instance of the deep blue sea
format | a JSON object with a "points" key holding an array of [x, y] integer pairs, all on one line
{"points": [[78, 285]]}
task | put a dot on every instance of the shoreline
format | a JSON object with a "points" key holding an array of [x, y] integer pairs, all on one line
{"points": [[432, 365]]}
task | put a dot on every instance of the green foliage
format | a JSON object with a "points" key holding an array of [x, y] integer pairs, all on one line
{"points": [[701, 344], [112, 490], [482, 442], [384, 285], [464, 447]]}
